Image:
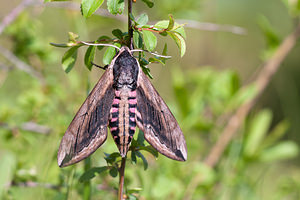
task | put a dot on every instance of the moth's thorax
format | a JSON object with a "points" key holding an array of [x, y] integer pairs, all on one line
{"points": [[122, 118], [125, 71]]}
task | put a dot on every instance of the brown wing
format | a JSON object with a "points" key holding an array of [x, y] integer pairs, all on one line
{"points": [[157, 122], [88, 129]]}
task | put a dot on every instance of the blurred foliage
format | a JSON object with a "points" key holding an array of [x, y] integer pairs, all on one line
{"points": [[260, 163]]}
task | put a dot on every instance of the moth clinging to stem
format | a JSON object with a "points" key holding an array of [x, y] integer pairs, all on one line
{"points": [[122, 99]]}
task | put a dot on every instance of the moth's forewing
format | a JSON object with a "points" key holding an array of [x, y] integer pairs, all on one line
{"points": [[88, 129], [157, 122]]}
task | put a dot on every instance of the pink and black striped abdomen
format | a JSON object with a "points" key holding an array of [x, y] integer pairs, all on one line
{"points": [[122, 118]]}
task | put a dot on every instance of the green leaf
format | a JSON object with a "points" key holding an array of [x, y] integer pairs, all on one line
{"points": [[72, 37], [257, 131], [141, 139], [133, 157], [150, 40], [146, 70], [179, 40], [115, 6], [282, 151], [102, 39], [113, 172], [149, 3], [88, 7], [150, 149], [111, 158], [109, 55], [145, 162], [91, 173], [142, 20], [69, 59], [118, 33], [137, 39], [276, 134], [177, 28], [171, 23], [243, 95], [89, 57], [65, 45]]}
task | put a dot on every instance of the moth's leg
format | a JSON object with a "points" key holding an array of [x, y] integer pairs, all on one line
{"points": [[104, 68]]}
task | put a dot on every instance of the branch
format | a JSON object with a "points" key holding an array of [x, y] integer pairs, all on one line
{"points": [[189, 23], [206, 26], [262, 81], [8, 19], [76, 6], [28, 126], [20, 64]]}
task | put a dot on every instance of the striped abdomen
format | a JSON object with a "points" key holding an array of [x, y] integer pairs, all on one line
{"points": [[122, 119]]}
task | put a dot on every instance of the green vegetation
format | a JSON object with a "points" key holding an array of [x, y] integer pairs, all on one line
{"points": [[210, 77]]}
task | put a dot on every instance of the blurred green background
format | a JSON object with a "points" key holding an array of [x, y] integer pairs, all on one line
{"points": [[202, 89]]}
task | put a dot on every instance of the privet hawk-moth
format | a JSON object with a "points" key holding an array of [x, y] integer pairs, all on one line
{"points": [[122, 99]]}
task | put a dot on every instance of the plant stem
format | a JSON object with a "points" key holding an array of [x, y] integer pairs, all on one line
{"points": [[121, 180], [130, 30]]}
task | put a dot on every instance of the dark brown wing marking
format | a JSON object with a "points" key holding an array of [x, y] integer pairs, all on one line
{"points": [[157, 122], [88, 129]]}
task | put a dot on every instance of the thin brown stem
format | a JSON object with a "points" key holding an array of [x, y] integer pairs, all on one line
{"points": [[130, 29], [121, 180], [261, 82]]}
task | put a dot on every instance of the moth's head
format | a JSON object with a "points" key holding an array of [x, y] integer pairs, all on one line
{"points": [[124, 49], [125, 69]]}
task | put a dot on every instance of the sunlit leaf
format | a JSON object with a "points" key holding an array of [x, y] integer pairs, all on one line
{"points": [[72, 37], [150, 40], [257, 131], [179, 42], [115, 6], [109, 55], [283, 150], [88, 7], [137, 39], [171, 23], [142, 20]]}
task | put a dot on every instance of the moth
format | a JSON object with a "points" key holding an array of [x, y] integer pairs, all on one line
{"points": [[122, 99]]}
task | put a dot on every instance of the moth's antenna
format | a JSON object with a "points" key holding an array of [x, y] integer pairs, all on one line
{"points": [[141, 50], [98, 44]]}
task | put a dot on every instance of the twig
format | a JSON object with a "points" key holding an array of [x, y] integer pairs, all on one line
{"points": [[31, 184], [261, 82], [121, 180], [189, 23], [155, 54], [206, 26], [8, 19], [20, 64], [28, 126], [130, 29], [263, 79], [99, 44], [75, 6]]}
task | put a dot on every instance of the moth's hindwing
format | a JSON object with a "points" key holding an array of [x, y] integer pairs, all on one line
{"points": [[88, 129], [157, 122]]}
